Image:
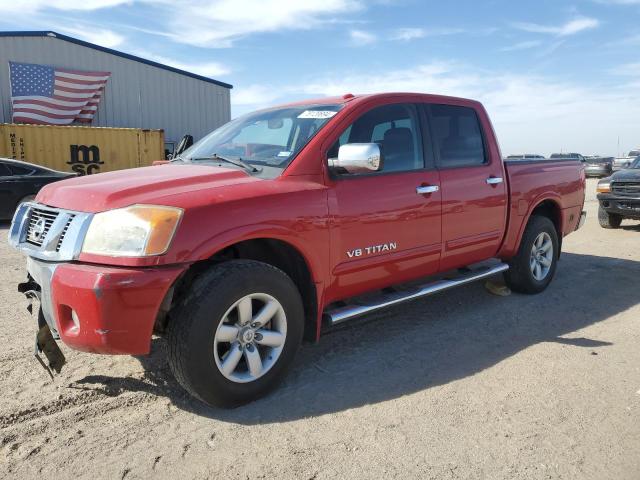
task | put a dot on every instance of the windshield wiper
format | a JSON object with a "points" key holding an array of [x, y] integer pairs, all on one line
{"points": [[234, 161]]}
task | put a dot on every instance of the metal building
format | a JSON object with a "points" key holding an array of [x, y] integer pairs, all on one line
{"points": [[139, 94]]}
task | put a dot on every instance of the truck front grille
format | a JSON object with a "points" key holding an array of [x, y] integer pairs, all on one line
{"points": [[64, 232], [626, 188], [40, 221], [48, 233]]}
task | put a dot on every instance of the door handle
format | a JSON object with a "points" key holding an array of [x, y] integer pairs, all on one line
{"points": [[425, 189], [494, 180]]}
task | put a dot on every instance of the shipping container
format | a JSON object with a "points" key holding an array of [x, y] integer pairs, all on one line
{"points": [[84, 150]]}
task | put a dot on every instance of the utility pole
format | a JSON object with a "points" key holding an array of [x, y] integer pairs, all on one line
{"points": [[618, 151]]}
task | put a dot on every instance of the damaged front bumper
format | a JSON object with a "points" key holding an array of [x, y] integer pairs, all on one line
{"points": [[93, 308], [99, 309]]}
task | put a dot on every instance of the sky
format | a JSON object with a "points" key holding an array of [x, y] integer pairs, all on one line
{"points": [[554, 75]]}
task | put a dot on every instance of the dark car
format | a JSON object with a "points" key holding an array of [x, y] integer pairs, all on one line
{"points": [[21, 181], [619, 196], [596, 166]]}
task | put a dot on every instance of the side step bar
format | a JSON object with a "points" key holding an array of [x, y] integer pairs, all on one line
{"points": [[343, 313]]}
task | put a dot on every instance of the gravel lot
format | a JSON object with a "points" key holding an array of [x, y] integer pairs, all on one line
{"points": [[461, 385]]}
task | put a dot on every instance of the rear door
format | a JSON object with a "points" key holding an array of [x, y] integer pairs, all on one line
{"points": [[473, 184], [384, 230]]}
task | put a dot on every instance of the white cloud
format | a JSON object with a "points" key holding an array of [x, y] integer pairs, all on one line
{"points": [[219, 23], [36, 5], [571, 27], [360, 38], [410, 33], [99, 36], [206, 69], [521, 46], [630, 40], [254, 96], [212, 23], [619, 2], [628, 69], [406, 34], [530, 113]]}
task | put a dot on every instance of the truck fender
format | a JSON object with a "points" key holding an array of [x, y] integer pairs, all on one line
{"points": [[311, 257], [225, 239], [545, 197]]}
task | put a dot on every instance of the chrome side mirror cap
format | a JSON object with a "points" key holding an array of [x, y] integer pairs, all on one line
{"points": [[358, 158]]}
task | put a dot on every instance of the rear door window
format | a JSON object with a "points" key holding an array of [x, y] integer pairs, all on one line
{"points": [[19, 170], [457, 136]]}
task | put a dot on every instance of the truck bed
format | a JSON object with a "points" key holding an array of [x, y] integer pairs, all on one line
{"points": [[562, 181]]}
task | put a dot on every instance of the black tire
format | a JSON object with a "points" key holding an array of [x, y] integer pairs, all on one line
{"points": [[519, 277], [193, 324], [608, 220]]}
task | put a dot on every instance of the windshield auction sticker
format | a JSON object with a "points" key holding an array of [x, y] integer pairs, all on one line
{"points": [[317, 114]]}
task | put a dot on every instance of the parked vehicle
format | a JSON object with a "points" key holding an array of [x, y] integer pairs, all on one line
{"points": [[567, 156], [20, 181], [272, 228], [620, 163], [596, 166], [526, 156], [619, 196]]}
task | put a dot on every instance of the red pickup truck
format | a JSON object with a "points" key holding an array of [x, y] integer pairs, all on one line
{"points": [[274, 227]]}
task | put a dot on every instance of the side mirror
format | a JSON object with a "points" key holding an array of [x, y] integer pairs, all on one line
{"points": [[358, 158]]}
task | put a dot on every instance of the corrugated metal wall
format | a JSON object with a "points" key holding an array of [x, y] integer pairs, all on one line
{"points": [[137, 95]]}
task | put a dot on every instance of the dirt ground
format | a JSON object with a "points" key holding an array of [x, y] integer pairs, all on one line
{"points": [[460, 385]]}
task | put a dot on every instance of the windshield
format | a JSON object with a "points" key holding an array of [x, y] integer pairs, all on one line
{"points": [[636, 163], [268, 137]]}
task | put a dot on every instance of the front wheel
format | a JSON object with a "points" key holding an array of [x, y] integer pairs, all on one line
{"points": [[233, 337], [608, 220], [534, 266]]}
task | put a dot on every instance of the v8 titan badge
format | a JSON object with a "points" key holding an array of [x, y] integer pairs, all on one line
{"points": [[360, 252]]}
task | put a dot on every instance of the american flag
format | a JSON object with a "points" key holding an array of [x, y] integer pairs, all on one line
{"points": [[51, 95]]}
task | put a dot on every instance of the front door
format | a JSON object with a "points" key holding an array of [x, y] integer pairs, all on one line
{"points": [[384, 230]]}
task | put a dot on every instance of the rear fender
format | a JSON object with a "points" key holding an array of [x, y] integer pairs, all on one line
{"points": [[511, 245]]}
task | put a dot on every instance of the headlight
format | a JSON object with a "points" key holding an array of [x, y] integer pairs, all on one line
{"points": [[603, 187], [136, 231]]}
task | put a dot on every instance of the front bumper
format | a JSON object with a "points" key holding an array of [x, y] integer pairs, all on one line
{"points": [[102, 309], [628, 207], [598, 171]]}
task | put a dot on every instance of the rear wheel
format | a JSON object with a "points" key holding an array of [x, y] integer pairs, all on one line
{"points": [[534, 266], [608, 220], [232, 339]]}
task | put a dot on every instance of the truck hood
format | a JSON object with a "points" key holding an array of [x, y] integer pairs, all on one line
{"points": [[105, 191], [631, 174]]}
